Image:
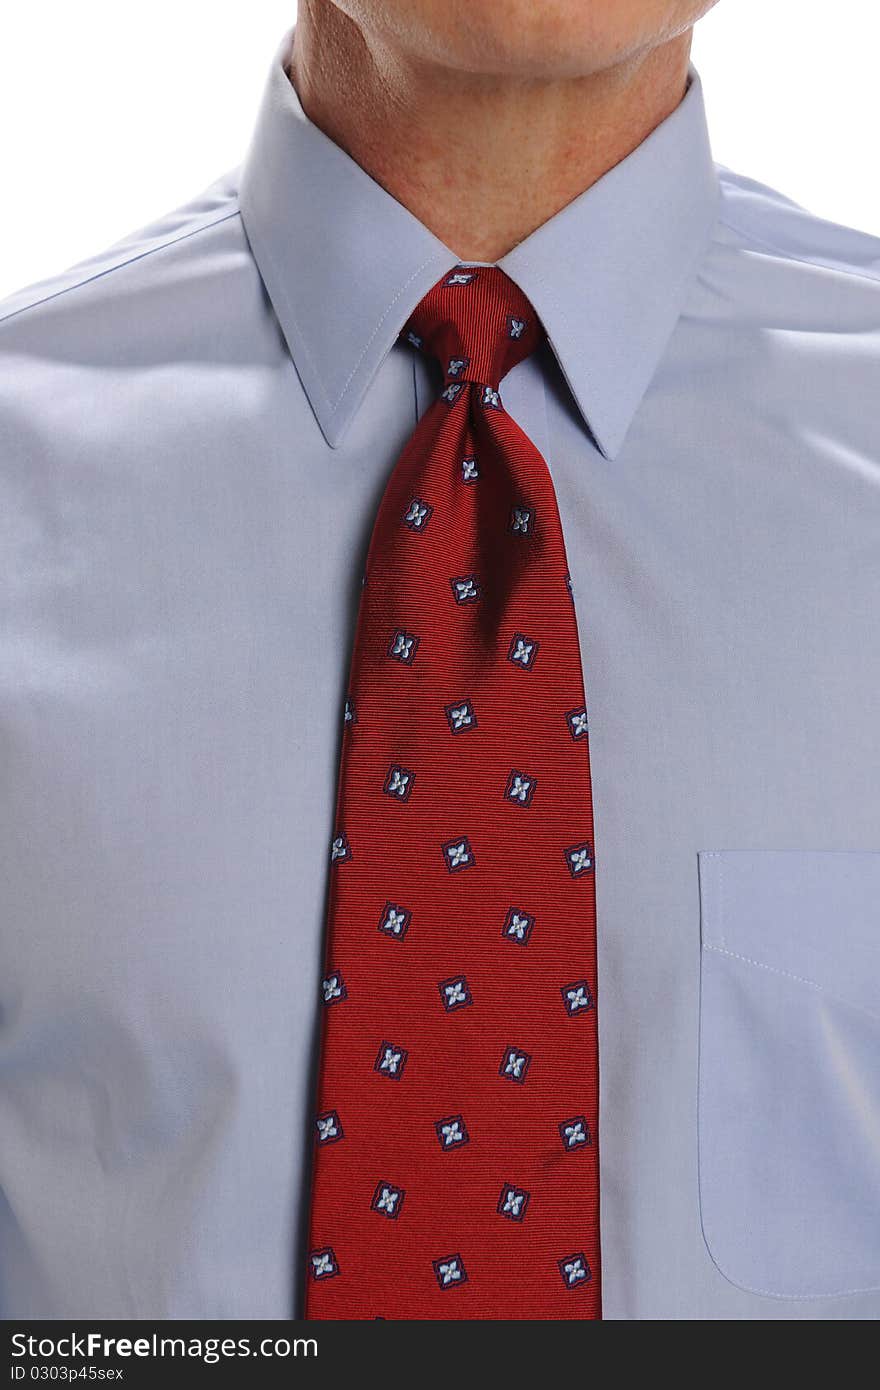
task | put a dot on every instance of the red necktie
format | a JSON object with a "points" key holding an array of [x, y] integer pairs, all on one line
{"points": [[456, 1164]]}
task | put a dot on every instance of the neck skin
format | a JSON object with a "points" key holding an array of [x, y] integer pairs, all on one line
{"points": [[541, 141]]}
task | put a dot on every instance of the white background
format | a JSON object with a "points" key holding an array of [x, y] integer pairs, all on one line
{"points": [[112, 113]]}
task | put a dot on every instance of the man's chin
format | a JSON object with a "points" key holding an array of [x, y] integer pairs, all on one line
{"points": [[521, 39]]}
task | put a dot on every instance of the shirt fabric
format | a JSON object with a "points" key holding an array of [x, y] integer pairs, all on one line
{"points": [[195, 431]]}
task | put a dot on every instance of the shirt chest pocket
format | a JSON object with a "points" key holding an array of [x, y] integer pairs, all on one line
{"points": [[789, 1101]]}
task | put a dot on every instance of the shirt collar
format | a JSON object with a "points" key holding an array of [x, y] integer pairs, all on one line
{"points": [[345, 264]]}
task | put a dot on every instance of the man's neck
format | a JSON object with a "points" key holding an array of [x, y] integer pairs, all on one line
{"points": [[480, 160]]}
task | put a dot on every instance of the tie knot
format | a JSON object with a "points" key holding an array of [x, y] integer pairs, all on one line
{"points": [[477, 323]]}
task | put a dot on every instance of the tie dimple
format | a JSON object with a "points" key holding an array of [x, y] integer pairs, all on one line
{"points": [[456, 1170]]}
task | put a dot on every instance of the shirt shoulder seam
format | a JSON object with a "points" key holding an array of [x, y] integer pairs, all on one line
{"points": [[118, 265], [819, 263]]}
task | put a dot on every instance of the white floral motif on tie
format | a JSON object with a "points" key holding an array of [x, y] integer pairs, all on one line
{"points": [[520, 788], [388, 1200], [575, 1134], [575, 1271], [394, 921], [513, 1202], [452, 1133], [466, 589], [578, 723], [332, 988], [417, 513], [579, 859], [339, 848], [458, 854], [515, 1064], [326, 1128], [391, 1060]]}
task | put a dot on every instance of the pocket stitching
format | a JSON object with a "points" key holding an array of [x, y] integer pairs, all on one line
{"points": [[846, 1003], [799, 979], [718, 894]]}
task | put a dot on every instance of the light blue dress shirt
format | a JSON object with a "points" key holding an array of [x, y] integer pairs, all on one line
{"points": [[195, 430]]}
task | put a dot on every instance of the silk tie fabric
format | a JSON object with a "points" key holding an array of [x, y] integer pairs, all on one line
{"points": [[456, 1164]]}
